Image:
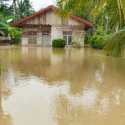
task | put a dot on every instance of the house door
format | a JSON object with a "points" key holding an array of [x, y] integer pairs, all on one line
{"points": [[68, 37]]}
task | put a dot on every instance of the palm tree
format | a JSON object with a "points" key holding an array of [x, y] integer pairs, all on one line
{"points": [[63, 11], [22, 8]]}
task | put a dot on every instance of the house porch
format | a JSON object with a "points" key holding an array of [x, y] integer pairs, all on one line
{"points": [[36, 35], [42, 35], [71, 34]]}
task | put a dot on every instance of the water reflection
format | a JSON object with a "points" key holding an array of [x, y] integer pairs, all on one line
{"points": [[63, 87], [5, 118]]}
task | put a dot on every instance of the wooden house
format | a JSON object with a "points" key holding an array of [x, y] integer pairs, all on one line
{"points": [[45, 25]]}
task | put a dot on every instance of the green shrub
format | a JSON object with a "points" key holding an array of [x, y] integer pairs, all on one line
{"points": [[98, 40], [116, 44], [15, 34], [58, 43]]}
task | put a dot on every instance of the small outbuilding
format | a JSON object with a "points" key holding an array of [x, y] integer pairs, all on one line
{"points": [[45, 25]]}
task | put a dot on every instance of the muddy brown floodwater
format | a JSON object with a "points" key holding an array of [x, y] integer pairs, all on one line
{"points": [[45, 86]]}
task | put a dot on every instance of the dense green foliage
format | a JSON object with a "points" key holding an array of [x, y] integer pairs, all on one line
{"points": [[58, 43], [10, 31], [15, 34], [99, 38], [5, 8], [12, 10], [109, 14], [15, 8], [116, 44], [22, 8]]}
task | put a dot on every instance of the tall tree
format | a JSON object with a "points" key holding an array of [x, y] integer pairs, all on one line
{"points": [[24, 8], [110, 13], [4, 7], [21, 8]]}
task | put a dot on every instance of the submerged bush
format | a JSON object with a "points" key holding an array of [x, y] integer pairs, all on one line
{"points": [[15, 34], [58, 43], [116, 45], [98, 40]]}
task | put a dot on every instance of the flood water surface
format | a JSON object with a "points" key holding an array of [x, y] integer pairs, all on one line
{"points": [[45, 86]]}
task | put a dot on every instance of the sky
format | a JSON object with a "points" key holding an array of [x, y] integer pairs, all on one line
{"points": [[38, 4]]}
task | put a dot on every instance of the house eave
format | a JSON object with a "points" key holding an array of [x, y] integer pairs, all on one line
{"points": [[21, 22]]}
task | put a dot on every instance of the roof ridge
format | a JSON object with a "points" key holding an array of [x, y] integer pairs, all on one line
{"points": [[48, 8]]}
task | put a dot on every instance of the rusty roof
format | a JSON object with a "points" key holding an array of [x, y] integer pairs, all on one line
{"points": [[22, 21]]}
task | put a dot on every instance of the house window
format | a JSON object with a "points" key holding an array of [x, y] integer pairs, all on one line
{"points": [[67, 35], [45, 33]]}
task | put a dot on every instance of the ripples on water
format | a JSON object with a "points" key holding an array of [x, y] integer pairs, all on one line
{"points": [[61, 87]]}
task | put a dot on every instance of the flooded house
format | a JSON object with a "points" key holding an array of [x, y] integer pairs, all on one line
{"points": [[45, 25]]}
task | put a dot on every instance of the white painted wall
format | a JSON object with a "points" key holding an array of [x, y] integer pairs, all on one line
{"points": [[52, 18], [78, 37], [39, 39], [73, 22], [56, 33]]}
